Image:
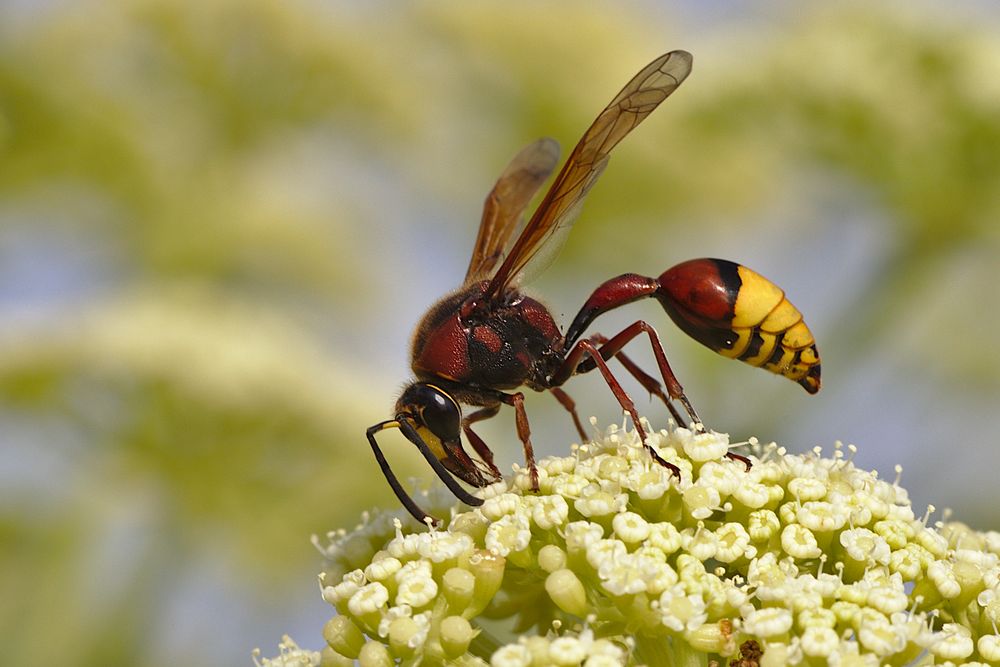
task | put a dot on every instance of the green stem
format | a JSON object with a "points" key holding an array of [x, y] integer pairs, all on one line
{"points": [[663, 652], [484, 644], [686, 656]]}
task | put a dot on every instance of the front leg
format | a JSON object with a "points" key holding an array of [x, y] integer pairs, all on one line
{"points": [[492, 398], [482, 449]]}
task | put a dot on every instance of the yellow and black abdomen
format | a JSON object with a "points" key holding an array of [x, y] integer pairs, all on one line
{"points": [[741, 315]]}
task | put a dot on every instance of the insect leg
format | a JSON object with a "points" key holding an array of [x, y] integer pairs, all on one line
{"points": [[613, 346], [523, 433], [585, 347], [477, 443], [724, 306], [570, 405], [648, 382]]}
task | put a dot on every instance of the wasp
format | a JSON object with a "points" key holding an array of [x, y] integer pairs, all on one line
{"points": [[478, 345]]}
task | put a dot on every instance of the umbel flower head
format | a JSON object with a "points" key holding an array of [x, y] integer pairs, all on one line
{"points": [[803, 559]]}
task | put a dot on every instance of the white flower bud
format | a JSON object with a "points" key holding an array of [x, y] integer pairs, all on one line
{"points": [[805, 489], [665, 537], [605, 551], [368, 599], [723, 477], [752, 495], [512, 655], [819, 641], [880, 636], [456, 633], [550, 512], [709, 446], [733, 542], [595, 502], [581, 534], [863, 545], [650, 484], [416, 591], [799, 542], [822, 517], [943, 577], [382, 569], [768, 622], [511, 533], [374, 654], [762, 524], [703, 545], [567, 592], [680, 611], [443, 546], [499, 506], [622, 576], [551, 558], [630, 527], [567, 651], [701, 501], [989, 647], [954, 642]]}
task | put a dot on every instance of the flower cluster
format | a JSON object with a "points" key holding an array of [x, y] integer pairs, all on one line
{"points": [[799, 560]]}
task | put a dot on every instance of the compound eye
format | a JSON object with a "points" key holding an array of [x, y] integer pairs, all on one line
{"points": [[440, 413], [433, 409]]}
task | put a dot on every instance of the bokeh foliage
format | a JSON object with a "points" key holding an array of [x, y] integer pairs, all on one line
{"points": [[205, 208]]}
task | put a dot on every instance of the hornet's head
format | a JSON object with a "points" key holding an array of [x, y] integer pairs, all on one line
{"points": [[431, 419], [435, 416]]}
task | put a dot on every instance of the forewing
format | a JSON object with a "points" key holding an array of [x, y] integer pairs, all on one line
{"points": [[550, 224], [505, 205]]}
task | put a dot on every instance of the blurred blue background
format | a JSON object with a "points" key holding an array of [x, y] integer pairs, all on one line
{"points": [[219, 223]]}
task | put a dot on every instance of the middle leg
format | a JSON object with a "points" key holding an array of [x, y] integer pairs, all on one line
{"points": [[648, 382], [570, 405], [576, 363], [585, 347]]}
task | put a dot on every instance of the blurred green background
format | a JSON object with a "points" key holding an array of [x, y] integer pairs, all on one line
{"points": [[220, 221]]}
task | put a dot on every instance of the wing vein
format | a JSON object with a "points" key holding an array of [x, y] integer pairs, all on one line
{"points": [[561, 204]]}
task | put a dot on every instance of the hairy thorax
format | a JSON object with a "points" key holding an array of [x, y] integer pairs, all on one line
{"points": [[500, 344]]}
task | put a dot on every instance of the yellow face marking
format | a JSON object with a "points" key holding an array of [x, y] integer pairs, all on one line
{"points": [[432, 441]]}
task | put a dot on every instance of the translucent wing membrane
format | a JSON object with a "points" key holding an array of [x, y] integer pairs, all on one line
{"points": [[538, 242], [505, 205]]}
